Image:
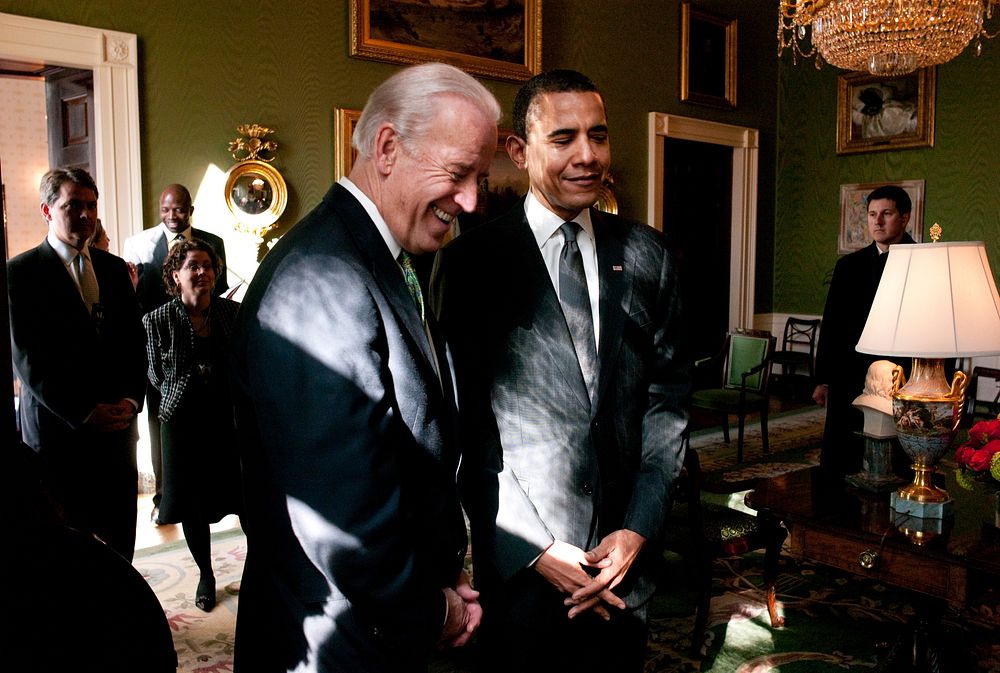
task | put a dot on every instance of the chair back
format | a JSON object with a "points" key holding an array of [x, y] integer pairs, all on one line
{"points": [[800, 332], [749, 349]]}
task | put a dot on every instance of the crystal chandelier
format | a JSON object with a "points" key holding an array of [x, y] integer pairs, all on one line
{"points": [[884, 37]]}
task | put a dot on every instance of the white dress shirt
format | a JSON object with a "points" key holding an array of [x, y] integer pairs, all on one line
{"points": [[545, 227]]}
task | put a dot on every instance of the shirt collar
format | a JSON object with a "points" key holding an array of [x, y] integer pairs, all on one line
{"points": [[169, 235], [370, 208], [544, 223], [67, 253]]}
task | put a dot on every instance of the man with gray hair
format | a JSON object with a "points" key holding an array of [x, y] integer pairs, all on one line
{"points": [[346, 406], [79, 350]]}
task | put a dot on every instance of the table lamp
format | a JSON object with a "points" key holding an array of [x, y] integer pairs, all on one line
{"points": [[935, 301]]}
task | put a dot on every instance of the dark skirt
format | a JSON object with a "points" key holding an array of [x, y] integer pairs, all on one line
{"points": [[201, 466]]}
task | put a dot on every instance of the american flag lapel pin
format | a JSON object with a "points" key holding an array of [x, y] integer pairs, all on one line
{"points": [[616, 267]]}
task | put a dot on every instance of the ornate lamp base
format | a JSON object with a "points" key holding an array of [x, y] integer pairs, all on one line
{"points": [[923, 510]]}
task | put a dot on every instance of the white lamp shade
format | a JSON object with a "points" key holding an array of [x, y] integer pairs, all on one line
{"points": [[935, 300]]}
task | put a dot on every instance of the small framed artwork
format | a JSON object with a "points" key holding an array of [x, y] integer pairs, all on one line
{"points": [[854, 213], [344, 121], [502, 188], [708, 58], [501, 40], [875, 114]]}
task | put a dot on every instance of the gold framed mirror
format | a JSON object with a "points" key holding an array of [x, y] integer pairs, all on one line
{"points": [[256, 194]]}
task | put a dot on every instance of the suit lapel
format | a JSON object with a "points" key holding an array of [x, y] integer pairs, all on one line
{"points": [[548, 321], [66, 288], [615, 275], [384, 270]]}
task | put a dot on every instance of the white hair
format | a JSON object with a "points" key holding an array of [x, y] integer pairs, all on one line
{"points": [[408, 100]]}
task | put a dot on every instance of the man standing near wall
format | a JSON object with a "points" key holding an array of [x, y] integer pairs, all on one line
{"points": [[840, 367], [147, 250], [79, 351]]}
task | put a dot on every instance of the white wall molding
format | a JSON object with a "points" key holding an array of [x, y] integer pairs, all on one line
{"points": [[113, 57]]}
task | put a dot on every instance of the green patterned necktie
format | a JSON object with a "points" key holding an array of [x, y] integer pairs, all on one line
{"points": [[412, 284]]}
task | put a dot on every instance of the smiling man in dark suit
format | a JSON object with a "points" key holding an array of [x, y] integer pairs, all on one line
{"points": [[346, 403], [79, 351], [564, 322]]}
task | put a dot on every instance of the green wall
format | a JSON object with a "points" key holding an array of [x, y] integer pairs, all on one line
{"points": [[961, 171], [208, 65]]}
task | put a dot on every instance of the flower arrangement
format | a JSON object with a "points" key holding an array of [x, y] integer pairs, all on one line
{"points": [[979, 457]]}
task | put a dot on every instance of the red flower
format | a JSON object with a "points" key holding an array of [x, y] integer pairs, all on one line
{"points": [[980, 460], [984, 431], [963, 454]]}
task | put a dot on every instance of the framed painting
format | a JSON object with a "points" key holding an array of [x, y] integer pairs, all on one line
{"points": [[344, 121], [854, 213], [501, 40], [708, 58], [875, 114], [502, 188]]}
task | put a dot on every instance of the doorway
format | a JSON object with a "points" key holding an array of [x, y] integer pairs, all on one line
{"points": [[741, 143], [697, 211]]}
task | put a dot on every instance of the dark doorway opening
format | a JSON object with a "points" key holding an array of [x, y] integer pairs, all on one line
{"points": [[697, 216]]}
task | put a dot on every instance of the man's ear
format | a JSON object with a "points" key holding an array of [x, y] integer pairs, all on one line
{"points": [[44, 208], [516, 149], [906, 219], [386, 148]]}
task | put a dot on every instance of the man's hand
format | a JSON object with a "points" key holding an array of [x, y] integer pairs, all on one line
{"points": [[111, 417], [562, 566], [820, 394], [614, 556], [464, 613]]}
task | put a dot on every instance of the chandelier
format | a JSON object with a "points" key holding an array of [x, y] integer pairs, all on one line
{"points": [[883, 37]]}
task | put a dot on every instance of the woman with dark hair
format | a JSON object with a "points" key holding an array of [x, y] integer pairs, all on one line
{"points": [[188, 343]]}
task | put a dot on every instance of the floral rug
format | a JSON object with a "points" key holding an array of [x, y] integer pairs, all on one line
{"points": [[203, 640]]}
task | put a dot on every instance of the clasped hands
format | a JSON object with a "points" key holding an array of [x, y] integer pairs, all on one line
{"points": [[562, 565], [111, 417], [464, 613]]}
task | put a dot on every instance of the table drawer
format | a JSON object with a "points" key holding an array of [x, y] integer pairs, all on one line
{"points": [[908, 568]]}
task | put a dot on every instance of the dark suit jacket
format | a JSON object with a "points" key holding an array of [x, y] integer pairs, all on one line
{"points": [[352, 510], [66, 361], [170, 347], [540, 462], [148, 250], [838, 364]]}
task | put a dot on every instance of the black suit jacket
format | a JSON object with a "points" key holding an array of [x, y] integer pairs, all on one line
{"points": [[352, 512], [67, 361], [838, 364], [540, 462]]}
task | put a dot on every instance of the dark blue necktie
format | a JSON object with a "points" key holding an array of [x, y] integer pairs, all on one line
{"points": [[575, 300]]}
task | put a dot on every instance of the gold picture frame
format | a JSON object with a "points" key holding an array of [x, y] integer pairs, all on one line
{"points": [[256, 195], [500, 43], [344, 121], [854, 213], [708, 58], [875, 114]]}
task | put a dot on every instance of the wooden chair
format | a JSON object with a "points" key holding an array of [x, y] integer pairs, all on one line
{"points": [[701, 531], [746, 368], [981, 409], [798, 349]]}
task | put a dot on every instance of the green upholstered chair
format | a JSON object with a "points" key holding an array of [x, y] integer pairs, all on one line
{"points": [[798, 350], [746, 368], [707, 521]]}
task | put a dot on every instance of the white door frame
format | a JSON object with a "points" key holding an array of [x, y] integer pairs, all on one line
{"points": [[114, 59], [743, 233]]}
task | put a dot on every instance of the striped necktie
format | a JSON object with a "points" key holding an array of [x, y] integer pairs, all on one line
{"points": [[575, 299]]}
